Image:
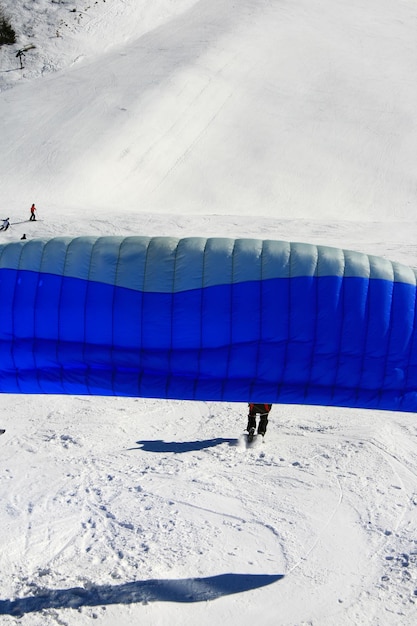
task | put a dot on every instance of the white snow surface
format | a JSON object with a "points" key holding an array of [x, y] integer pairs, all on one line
{"points": [[258, 118]]}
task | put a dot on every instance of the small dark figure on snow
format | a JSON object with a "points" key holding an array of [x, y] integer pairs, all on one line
{"points": [[23, 236], [20, 55], [32, 213], [263, 411], [6, 224]]}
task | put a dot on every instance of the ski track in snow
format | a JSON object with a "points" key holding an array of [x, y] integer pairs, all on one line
{"points": [[153, 504]]}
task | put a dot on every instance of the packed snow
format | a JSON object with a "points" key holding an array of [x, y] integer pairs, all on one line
{"points": [[259, 118]]}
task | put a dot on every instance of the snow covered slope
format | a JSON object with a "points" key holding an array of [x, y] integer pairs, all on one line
{"points": [[281, 109], [271, 119]]}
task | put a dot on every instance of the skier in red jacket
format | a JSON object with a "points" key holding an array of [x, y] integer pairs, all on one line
{"points": [[32, 213], [263, 411]]}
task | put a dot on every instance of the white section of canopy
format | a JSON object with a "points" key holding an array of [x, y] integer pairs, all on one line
{"points": [[169, 265]]}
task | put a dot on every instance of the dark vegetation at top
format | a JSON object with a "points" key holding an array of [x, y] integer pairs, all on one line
{"points": [[7, 34]]}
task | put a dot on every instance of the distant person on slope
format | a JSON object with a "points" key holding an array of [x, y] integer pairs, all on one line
{"points": [[6, 224], [263, 411], [20, 55], [32, 213]]}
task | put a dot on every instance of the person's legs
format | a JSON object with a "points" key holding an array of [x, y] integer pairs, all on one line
{"points": [[263, 423], [251, 420]]}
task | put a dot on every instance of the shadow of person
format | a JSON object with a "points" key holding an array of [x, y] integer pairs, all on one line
{"points": [[179, 447], [187, 590]]}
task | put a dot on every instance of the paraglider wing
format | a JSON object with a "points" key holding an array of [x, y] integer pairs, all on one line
{"points": [[207, 319]]}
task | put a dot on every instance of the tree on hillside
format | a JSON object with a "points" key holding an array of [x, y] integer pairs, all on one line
{"points": [[7, 34]]}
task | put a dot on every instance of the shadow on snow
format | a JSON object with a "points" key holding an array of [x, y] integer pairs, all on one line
{"points": [[181, 446], [188, 590]]}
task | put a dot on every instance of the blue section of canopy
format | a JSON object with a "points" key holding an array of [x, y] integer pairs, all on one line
{"points": [[207, 319]]}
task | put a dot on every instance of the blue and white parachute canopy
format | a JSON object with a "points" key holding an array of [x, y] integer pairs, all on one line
{"points": [[207, 319]]}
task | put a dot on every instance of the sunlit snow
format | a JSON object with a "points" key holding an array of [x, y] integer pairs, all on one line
{"points": [[258, 118]]}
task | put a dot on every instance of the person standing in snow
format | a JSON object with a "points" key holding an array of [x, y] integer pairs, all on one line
{"points": [[6, 224], [263, 411], [32, 213], [20, 55]]}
